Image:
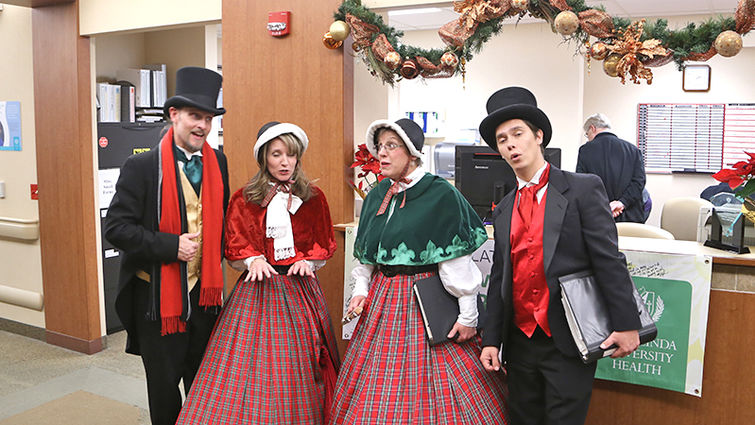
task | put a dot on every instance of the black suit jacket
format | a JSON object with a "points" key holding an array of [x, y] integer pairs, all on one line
{"points": [[132, 226], [578, 234], [619, 165]]}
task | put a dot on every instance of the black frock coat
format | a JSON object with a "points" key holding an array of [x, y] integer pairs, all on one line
{"points": [[132, 226]]}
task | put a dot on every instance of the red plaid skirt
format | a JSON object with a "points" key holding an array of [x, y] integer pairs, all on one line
{"points": [[391, 375], [272, 358]]}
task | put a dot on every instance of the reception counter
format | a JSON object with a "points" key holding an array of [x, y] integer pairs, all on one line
{"points": [[728, 373]]}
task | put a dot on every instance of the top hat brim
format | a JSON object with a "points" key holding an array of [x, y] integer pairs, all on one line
{"points": [[518, 111], [377, 125], [179, 101]]}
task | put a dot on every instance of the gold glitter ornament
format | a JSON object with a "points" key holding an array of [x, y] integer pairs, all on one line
{"points": [[566, 23], [728, 43], [392, 59]]}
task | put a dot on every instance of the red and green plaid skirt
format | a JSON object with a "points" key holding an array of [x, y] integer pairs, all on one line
{"points": [[272, 358], [391, 375]]}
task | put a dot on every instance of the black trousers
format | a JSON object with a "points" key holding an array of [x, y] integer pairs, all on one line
{"points": [[545, 386], [170, 358]]}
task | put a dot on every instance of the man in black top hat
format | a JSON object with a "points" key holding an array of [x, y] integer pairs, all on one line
{"points": [[556, 223], [167, 219]]}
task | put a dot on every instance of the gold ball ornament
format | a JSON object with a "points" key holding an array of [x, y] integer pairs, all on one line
{"points": [[330, 42], [610, 65], [599, 50], [520, 4], [728, 43], [566, 22], [392, 59], [449, 60], [339, 30]]}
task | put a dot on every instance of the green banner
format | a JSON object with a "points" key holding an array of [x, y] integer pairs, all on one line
{"points": [[661, 363], [676, 290]]}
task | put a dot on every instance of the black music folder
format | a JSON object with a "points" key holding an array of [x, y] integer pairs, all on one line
{"points": [[588, 319], [439, 309]]}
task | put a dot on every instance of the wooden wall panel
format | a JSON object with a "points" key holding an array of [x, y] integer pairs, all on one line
{"points": [[728, 377], [291, 79], [66, 178]]}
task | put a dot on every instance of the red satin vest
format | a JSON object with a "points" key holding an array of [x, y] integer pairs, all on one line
{"points": [[530, 289]]}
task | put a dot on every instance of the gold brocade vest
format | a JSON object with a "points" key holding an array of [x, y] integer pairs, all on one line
{"points": [[194, 222]]}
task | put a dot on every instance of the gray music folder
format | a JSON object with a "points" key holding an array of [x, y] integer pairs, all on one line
{"points": [[588, 319]]}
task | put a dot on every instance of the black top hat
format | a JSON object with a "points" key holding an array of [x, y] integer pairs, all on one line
{"points": [[512, 103], [409, 131], [197, 87]]}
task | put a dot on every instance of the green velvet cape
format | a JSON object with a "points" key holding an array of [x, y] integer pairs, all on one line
{"points": [[436, 224]]}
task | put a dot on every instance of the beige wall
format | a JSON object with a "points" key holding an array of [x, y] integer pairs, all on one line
{"points": [[532, 56], [175, 48], [20, 262], [107, 16]]}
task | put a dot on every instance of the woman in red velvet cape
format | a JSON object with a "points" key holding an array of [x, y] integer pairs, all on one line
{"points": [[272, 358]]}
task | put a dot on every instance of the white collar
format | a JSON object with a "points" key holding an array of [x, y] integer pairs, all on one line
{"points": [[535, 179], [415, 176], [189, 154]]}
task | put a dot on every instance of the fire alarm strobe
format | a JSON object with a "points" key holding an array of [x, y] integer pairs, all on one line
{"points": [[278, 23]]}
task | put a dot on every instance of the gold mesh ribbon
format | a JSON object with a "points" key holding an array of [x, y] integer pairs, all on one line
{"points": [[657, 61], [701, 57], [596, 23], [473, 13], [560, 4], [361, 31], [427, 68], [381, 47], [745, 16]]}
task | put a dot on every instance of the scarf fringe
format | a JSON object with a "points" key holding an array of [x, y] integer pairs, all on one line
{"points": [[282, 253], [171, 325], [210, 297]]}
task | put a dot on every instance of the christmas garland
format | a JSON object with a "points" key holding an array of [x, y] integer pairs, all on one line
{"points": [[627, 48]]}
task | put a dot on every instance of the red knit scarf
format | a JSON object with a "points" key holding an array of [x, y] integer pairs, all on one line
{"points": [[171, 305]]}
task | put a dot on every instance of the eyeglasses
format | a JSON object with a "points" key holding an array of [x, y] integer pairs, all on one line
{"points": [[388, 146]]}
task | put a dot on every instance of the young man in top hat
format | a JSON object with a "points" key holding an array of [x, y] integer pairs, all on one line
{"points": [[556, 223], [167, 219]]}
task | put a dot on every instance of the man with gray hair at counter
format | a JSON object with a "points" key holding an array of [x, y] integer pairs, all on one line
{"points": [[619, 164]]}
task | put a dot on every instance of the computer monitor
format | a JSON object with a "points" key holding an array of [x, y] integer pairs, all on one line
{"points": [[484, 177]]}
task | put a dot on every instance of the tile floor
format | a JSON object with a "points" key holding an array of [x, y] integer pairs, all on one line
{"points": [[33, 373]]}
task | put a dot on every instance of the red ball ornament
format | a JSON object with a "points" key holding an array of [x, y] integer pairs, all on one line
{"points": [[409, 69], [330, 42], [599, 50]]}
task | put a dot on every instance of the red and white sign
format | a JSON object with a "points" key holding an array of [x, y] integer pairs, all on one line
{"points": [[279, 23], [103, 142]]}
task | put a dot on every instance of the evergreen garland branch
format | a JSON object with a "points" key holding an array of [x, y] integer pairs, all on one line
{"points": [[693, 38]]}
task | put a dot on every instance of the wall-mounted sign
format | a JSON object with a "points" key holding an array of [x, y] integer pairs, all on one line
{"points": [[279, 23]]}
